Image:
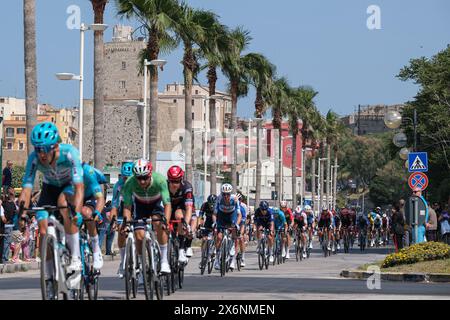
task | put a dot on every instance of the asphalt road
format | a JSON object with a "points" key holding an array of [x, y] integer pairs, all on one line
{"points": [[314, 278]]}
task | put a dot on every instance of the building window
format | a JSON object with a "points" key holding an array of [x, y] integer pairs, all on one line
{"points": [[21, 130], [174, 100], [17, 118], [2, 100], [122, 84], [196, 91], [21, 145], [124, 65], [193, 116], [9, 132], [193, 102], [183, 91], [9, 146]]}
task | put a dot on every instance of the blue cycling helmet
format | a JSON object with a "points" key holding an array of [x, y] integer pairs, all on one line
{"points": [[127, 169], [44, 134], [275, 211], [264, 205]]}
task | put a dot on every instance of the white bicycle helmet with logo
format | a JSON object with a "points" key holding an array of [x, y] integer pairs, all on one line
{"points": [[142, 168], [308, 208], [283, 204], [227, 188]]}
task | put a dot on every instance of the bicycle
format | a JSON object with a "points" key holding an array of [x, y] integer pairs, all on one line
{"points": [[225, 248], [325, 242], [346, 239], [207, 257], [55, 283], [176, 278], [263, 251], [278, 247], [90, 276], [130, 264]]}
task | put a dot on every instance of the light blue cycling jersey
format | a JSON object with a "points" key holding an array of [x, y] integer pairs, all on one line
{"points": [[117, 194], [228, 209], [279, 219], [92, 179], [243, 209], [67, 171]]}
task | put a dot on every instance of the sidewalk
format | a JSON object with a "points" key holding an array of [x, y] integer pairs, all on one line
{"points": [[19, 267]]}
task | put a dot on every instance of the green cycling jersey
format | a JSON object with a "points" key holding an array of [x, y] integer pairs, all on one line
{"points": [[157, 191]]}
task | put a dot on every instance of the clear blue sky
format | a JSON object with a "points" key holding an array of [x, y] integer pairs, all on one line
{"points": [[322, 43]]}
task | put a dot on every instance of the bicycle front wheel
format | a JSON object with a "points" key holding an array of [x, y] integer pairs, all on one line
{"points": [[147, 269], [49, 285], [129, 271]]}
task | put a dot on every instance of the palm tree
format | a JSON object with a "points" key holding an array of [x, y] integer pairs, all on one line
{"points": [[159, 18], [278, 96], [301, 109], [191, 27], [259, 73], [234, 70], [317, 124], [99, 107], [29, 22], [213, 48]]}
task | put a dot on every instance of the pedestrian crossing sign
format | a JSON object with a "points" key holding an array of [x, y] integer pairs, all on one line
{"points": [[418, 161]]}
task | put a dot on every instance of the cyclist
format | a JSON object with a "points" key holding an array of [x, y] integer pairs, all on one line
{"points": [[300, 223], [346, 220], [311, 223], [377, 221], [207, 219], [126, 171], [326, 221], [182, 200], [385, 228], [147, 192], [337, 228], [264, 221], [363, 223], [290, 221], [280, 226], [61, 168], [94, 202], [241, 240], [228, 215]]}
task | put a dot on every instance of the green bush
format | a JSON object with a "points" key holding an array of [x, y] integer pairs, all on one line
{"points": [[426, 251]]}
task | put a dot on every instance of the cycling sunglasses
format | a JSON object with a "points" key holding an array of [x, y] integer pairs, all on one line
{"points": [[143, 178], [44, 149]]}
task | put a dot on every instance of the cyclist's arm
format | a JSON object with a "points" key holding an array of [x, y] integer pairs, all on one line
{"points": [[97, 190], [77, 178], [79, 196], [25, 196], [28, 180], [166, 200]]}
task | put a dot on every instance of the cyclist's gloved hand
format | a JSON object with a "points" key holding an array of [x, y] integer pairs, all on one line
{"points": [[78, 218], [98, 216]]}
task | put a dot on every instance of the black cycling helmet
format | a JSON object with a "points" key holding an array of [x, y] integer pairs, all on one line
{"points": [[264, 205], [212, 199]]}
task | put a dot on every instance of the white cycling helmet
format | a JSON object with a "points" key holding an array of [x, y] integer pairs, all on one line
{"points": [[142, 168], [227, 188], [283, 204], [308, 208], [298, 209]]}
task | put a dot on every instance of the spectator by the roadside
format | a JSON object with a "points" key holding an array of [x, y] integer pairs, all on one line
{"points": [[398, 226], [33, 236], [437, 208], [407, 228], [7, 177], [444, 221], [431, 225], [21, 238], [10, 212], [2, 231]]}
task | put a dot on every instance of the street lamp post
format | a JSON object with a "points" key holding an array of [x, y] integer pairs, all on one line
{"points": [[319, 185], [71, 76], [248, 159]]}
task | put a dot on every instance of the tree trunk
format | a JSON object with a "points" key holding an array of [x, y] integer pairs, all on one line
{"points": [[259, 106], [294, 168], [99, 107], [29, 18], [313, 182], [153, 50], [212, 79], [234, 90], [278, 177], [258, 162], [328, 176], [189, 139], [335, 179]]}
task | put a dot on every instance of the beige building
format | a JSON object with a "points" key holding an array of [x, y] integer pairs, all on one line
{"points": [[11, 105]]}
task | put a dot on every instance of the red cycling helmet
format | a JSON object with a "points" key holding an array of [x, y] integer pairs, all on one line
{"points": [[175, 173]]}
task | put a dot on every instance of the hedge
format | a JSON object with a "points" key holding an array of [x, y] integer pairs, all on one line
{"points": [[426, 251]]}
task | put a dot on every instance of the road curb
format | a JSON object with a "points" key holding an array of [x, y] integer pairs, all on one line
{"points": [[394, 276], [18, 267]]}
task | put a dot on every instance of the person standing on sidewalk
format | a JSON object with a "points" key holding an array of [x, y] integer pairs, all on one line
{"points": [[431, 225], [398, 223], [10, 212], [7, 177]]}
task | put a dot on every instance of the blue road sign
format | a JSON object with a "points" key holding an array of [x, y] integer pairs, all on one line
{"points": [[418, 161]]}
